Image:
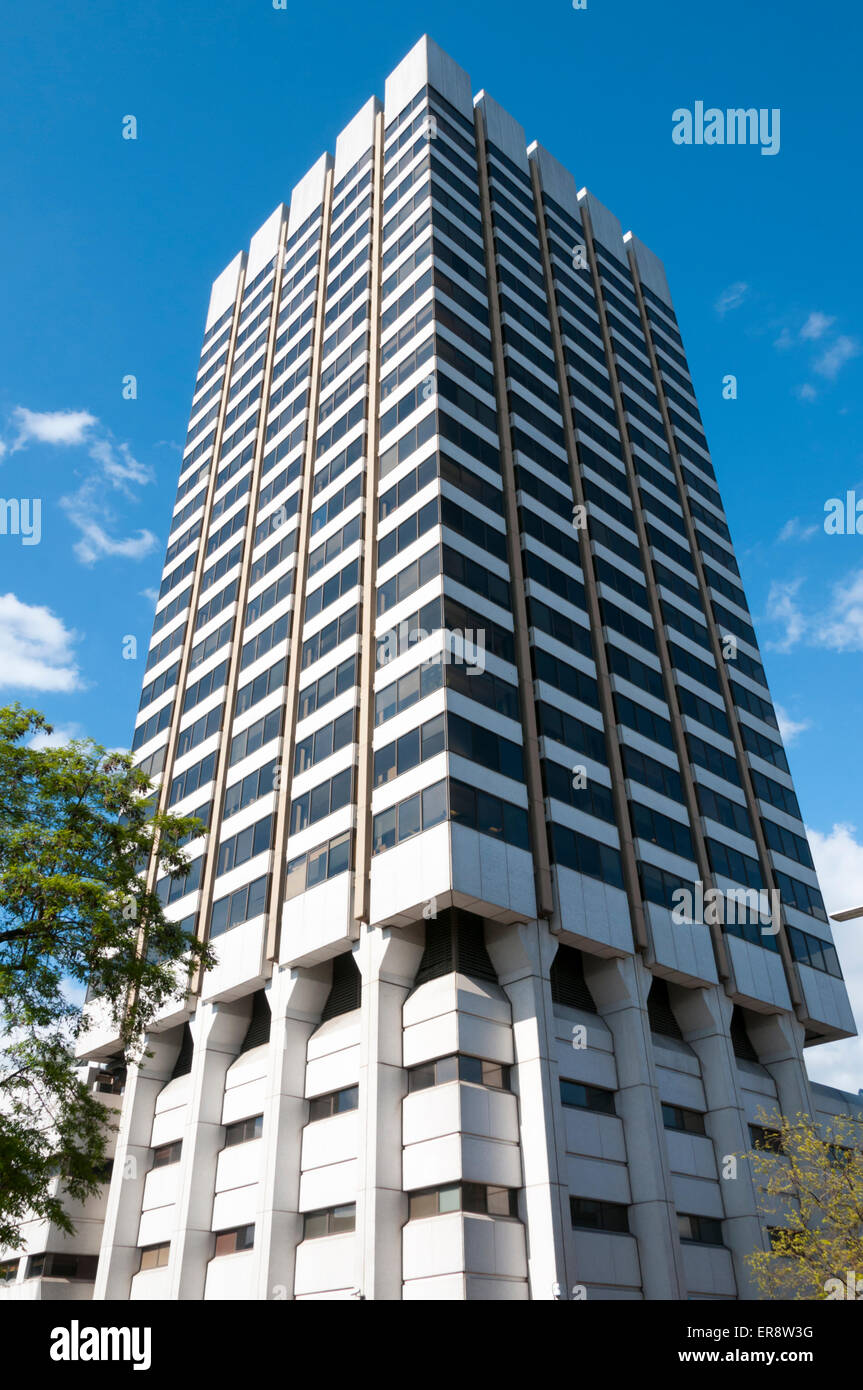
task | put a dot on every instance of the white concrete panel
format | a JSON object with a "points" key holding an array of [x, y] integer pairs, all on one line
{"points": [[593, 1135], [243, 1101], [557, 181], [335, 1140], [240, 967], [458, 1157], [224, 291], [697, 1196], [357, 137], [235, 1207], [602, 1258], [174, 1095], [329, 1186], [826, 999], [676, 1088], [407, 877], [317, 924], [708, 1270], [457, 1033], [325, 1265], [427, 65], [591, 911], [494, 877], [151, 1285], [308, 194], [650, 268], [758, 972], [161, 1186], [503, 130], [593, 1177], [230, 1277], [239, 1165], [683, 949], [692, 1154], [157, 1226], [591, 1063], [448, 1244], [265, 242], [459, 1107], [606, 227]]}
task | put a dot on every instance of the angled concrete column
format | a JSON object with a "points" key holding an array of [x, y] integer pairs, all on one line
{"points": [[704, 1016], [388, 960], [522, 956], [296, 999], [620, 988], [218, 1031], [778, 1040], [118, 1260]]}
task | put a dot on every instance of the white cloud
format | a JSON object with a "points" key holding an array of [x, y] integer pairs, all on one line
{"points": [[794, 530], [51, 426], [731, 298], [2, 448], [60, 736], [36, 649], [151, 594], [89, 510], [118, 466], [115, 470], [839, 860], [841, 627], [789, 728], [816, 326], [805, 392], [782, 608], [785, 340], [837, 626], [95, 543], [831, 362]]}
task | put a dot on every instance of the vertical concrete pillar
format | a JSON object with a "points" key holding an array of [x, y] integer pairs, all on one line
{"points": [[705, 1018], [218, 1030], [620, 988], [296, 998], [522, 956], [118, 1259], [388, 960]]}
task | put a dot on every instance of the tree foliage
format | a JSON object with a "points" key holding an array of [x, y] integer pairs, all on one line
{"points": [[810, 1181], [77, 826]]}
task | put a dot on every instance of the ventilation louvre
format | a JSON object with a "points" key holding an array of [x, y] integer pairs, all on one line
{"points": [[455, 941], [568, 985], [345, 991], [258, 1031], [183, 1064], [660, 1013], [740, 1039]]}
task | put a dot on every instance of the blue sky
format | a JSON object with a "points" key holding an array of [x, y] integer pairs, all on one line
{"points": [[109, 248]]}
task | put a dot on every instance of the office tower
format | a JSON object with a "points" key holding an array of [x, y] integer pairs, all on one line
{"points": [[452, 654]]}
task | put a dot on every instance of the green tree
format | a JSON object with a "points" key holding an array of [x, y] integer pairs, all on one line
{"points": [[77, 826], [810, 1183]]}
